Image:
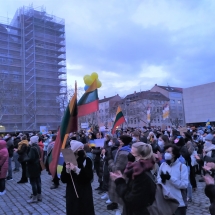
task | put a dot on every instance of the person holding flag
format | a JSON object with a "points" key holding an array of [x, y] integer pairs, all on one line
{"points": [[79, 198], [79, 194]]}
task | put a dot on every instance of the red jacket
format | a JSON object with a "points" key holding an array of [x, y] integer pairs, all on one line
{"points": [[3, 159], [41, 145]]}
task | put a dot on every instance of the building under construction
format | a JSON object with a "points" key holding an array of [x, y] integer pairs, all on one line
{"points": [[32, 70]]}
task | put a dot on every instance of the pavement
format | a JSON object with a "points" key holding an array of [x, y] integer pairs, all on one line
{"points": [[53, 203]]}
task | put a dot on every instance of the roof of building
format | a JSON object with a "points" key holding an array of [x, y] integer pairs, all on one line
{"points": [[107, 99], [171, 89], [147, 95]]}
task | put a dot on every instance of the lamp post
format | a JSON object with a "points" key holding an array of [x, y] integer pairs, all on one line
{"points": [[15, 128], [127, 102]]}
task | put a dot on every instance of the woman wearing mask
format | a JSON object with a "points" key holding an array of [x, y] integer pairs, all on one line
{"points": [[139, 192], [82, 175], [174, 175], [162, 141]]}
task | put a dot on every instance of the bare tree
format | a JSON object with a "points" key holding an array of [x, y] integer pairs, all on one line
{"points": [[64, 99]]}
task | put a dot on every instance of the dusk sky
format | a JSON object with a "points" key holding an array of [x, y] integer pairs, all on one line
{"points": [[134, 44]]}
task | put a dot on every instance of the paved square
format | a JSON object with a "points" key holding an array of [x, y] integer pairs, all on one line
{"points": [[14, 201]]}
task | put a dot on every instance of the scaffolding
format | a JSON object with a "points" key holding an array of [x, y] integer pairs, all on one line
{"points": [[32, 70]]}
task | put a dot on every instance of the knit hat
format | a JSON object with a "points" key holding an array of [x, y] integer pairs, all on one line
{"points": [[34, 139], [75, 145], [125, 139], [209, 137]]}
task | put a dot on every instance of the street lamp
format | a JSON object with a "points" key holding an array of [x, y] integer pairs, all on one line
{"points": [[15, 128], [127, 102]]}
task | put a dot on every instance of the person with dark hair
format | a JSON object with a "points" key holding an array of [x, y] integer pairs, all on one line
{"points": [[162, 141], [174, 175], [16, 140]]}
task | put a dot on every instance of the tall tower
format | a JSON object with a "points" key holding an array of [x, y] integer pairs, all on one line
{"points": [[34, 72]]}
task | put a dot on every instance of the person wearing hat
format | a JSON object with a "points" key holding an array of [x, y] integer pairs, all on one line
{"points": [[34, 169], [118, 163], [82, 175]]}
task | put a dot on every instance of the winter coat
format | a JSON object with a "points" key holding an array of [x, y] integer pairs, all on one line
{"points": [[41, 146], [84, 204], [97, 152], [16, 142], [178, 179], [10, 146], [104, 173], [119, 163], [22, 150], [33, 163], [210, 193], [135, 194], [20, 145], [3, 159]]}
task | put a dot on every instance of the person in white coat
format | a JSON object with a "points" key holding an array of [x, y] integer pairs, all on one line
{"points": [[174, 176]]}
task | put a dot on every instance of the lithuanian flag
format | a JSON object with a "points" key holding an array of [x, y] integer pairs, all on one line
{"points": [[89, 102], [118, 120], [69, 124]]}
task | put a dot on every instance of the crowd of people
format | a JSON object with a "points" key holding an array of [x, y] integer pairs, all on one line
{"points": [[133, 168]]}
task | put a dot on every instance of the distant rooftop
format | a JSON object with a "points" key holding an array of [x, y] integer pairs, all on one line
{"points": [[171, 89], [107, 99], [147, 95]]}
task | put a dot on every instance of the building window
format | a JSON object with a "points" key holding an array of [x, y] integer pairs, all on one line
{"points": [[179, 101], [172, 101], [131, 121], [135, 121]]}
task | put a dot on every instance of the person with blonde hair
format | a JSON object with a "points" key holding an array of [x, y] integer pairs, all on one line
{"points": [[139, 192]]}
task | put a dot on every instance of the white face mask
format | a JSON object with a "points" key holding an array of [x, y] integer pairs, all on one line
{"points": [[134, 139], [160, 143], [167, 156], [110, 144]]}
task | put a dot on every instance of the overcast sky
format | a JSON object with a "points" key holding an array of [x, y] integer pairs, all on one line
{"points": [[134, 44]]}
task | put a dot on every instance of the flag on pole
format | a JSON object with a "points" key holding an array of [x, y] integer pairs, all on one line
{"points": [[148, 114], [69, 124], [166, 111], [120, 119], [89, 102]]}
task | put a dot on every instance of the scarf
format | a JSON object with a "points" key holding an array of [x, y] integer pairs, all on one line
{"points": [[136, 168]]}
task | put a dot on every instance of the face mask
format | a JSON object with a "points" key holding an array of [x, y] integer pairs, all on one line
{"points": [[110, 144], [167, 156], [160, 143], [207, 143], [131, 157], [134, 139], [81, 153]]}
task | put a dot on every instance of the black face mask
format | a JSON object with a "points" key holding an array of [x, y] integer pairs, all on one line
{"points": [[81, 153], [131, 157]]}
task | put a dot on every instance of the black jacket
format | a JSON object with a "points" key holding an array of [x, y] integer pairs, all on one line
{"points": [[10, 146], [210, 193], [136, 194], [33, 163], [84, 204], [16, 141]]}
